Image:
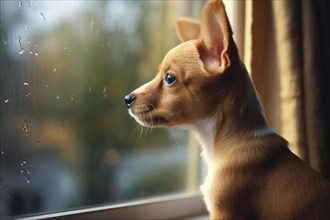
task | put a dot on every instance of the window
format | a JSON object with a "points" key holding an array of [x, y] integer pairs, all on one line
{"points": [[67, 141]]}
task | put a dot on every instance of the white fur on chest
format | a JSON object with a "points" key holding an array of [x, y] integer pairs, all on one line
{"points": [[205, 130]]}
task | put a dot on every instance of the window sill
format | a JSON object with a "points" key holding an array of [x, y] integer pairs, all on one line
{"points": [[178, 206]]}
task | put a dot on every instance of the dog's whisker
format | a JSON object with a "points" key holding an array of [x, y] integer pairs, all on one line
{"points": [[141, 131]]}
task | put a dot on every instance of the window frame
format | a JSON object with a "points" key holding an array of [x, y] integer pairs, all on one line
{"points": [[176, 206]]}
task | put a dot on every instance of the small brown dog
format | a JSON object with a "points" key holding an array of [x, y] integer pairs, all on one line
{"points": [[202, 85]]}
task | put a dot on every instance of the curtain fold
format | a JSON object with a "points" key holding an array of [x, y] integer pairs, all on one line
{"points": [[288, 58]]}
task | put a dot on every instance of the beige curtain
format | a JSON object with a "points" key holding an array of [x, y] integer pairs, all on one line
{"points": [[286, 49]]}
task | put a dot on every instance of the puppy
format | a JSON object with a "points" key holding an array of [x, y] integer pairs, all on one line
{"points": [[202, 85]]}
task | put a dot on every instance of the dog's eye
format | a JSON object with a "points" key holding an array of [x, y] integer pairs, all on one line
{"points": [[170, 79]]}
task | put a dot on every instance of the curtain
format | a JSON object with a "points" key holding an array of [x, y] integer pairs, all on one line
{"points": [[286, 49]]}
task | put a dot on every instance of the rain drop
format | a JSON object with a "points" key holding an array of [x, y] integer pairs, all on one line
{"points": [[26, 129], [31, 52], [105, 94], [57, 97], [26, 83], [43, 16], [27, 27], [72, 98], [7, 100], [21, 51], [37, 53], [26, 171], [19, 40], [3, 155], [20, 4], [60, 125]]}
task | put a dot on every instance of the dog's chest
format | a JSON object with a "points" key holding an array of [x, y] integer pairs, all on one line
{"points": [[207, 191]]}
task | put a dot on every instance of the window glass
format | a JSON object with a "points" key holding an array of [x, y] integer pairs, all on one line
{"points": [[67, 140]]}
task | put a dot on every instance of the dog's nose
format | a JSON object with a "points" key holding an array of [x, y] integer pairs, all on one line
{"points": [[129, 99]]}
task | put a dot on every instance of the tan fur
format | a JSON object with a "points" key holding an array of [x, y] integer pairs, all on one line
{"points": [[251, 172]]}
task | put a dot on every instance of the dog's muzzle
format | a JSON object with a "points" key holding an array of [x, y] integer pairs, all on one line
{"points": [[129, 100]]}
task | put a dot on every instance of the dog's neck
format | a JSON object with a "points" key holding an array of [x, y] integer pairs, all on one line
{"points": [[206, 132], [229, 128]]}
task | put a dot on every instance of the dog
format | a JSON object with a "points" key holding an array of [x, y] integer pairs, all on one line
{"points": [[202, 85]]}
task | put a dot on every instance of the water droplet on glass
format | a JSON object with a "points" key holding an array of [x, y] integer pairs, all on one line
{"points": [[19, 40], [64, 48], [3, 156], [60, 125], [20, 4], [54, 70], [27, 27], [47, 86], [57, 97], [37, 53], [38, 144], [7, 100], [43, 16], [21, 51], [26, 129], [105, 94], [26, 171], [31, 52], [26, 83], [72, 97], [28, 94], [4, 41]]}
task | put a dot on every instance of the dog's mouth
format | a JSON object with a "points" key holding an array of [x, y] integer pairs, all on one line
{"points": [[149, 118]]}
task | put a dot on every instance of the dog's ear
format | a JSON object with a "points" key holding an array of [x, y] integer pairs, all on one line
{"points": [[216, 45], [188, 29]]}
